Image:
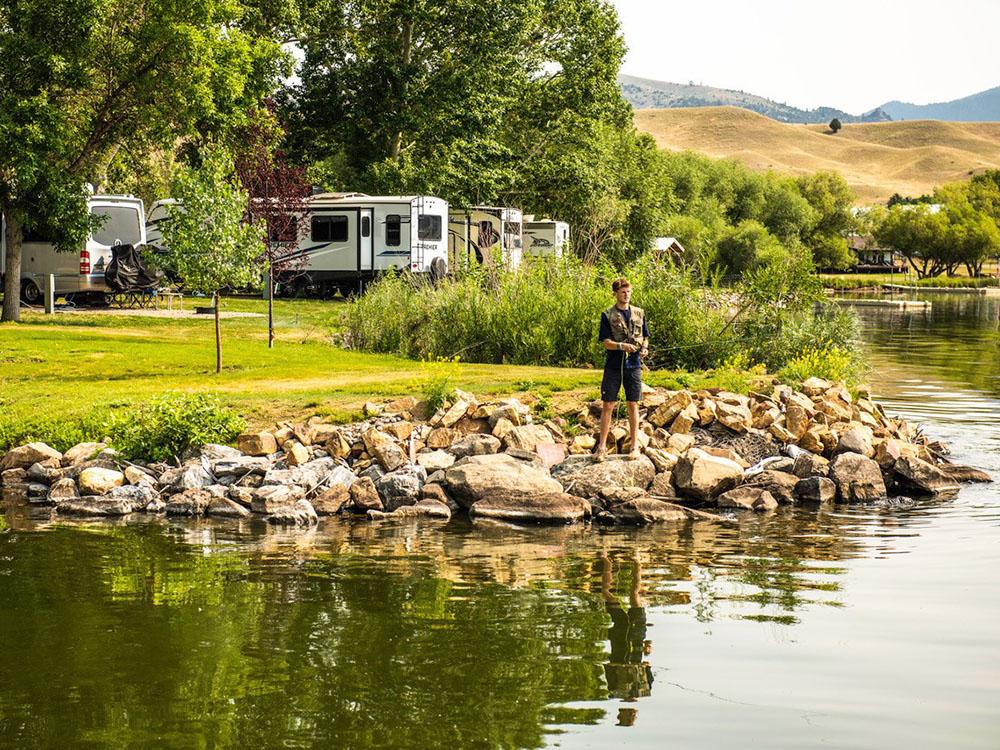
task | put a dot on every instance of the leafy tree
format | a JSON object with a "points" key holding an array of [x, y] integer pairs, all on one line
{"points": [[206, 237], [835, 125], [750, 246], [918, 235], [277, 196], [86, 83], [832, 198]]}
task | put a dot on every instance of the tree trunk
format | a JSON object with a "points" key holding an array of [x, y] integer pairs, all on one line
{"points": [[270, 309], [14, 235], [218, 338]]}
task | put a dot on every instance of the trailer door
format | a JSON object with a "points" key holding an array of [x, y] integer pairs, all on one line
{"points": [[365, 239]]}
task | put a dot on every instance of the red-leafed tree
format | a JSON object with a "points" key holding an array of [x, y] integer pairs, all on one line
{"points": [[278, 196]]}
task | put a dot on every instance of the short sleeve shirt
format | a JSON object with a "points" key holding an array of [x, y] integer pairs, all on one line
{"points": [[613, 357]]}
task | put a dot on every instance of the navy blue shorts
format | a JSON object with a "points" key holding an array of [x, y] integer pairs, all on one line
{"points": [[615, 378]]}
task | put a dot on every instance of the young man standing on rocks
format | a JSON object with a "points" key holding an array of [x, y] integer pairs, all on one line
{"points": [[626, 340]]}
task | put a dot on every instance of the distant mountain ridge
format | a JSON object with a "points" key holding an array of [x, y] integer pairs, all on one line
{"points": [[644, 93]]}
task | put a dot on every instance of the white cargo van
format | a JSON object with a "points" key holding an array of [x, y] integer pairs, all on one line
{"points": [[478, 233], [546, 238], [354, 238], [81, 273]]}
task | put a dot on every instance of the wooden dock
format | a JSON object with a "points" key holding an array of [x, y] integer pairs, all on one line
{"points": [[935, 289], [898, 304]]}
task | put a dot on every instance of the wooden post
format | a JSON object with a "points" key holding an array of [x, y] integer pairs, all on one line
{"points": [[50, 294], [218, 338]]}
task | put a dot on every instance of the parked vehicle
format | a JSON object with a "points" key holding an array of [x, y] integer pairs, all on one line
{"points": [[80, 274], [353, 238], [545, 237], [481, 234]]}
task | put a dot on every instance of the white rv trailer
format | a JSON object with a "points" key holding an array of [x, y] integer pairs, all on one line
{"points": [[354, 238], [479, 233], [79, 273], [546, 238], [157, 213]]}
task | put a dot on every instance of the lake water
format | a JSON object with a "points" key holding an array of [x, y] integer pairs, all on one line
{"points": [[845, 627]]}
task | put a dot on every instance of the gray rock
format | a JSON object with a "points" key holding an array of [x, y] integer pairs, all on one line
{"points": [[922, 478], [527, 456], [527, 437], [25, 455], [241, 466], [96, 506], [216, 452], [62, 491], [401, 487], [475, 478], [241, 495], [436, 460], [585, 477], [816, 490], [544, 507], [422, 509], [44, 474], [38, 493], [858, 478], [437, 493], [299, 513], [192, 502], [965, 473], [373, 472], [138, 494], [475, 445], [191, 476], [270, 497], [857, 439]]}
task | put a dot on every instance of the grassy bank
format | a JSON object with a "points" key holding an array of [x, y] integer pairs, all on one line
{"points": [[867, 280], [61, 375]]}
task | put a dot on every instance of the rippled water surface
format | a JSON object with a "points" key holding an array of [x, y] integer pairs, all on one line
{"points": [[843, 627]]}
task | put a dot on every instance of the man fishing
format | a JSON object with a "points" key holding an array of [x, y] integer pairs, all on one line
{"points": [[626, 340]]}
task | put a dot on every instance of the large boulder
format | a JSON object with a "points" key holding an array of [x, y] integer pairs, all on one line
{"points": [[226, 508], [97, 506], [241, 466], [270, 497], [704, 477], [585, 477], [423, 509], [97, 481], [816, 490], [332, 500], [810, 465], [299, 513], [857, 439], [919, 477], [437, 459], [82, 452], [858, 478], [401, 487], [26, 455], [748, 498], [545, 507], [965, 473], [646, 510], [364, 496], [62, 491], [477, 477], [193, 502]]}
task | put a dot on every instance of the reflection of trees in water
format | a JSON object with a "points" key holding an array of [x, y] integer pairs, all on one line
{"points": [[358, 633]]}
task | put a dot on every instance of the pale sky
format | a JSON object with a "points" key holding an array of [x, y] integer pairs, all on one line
{"points": [[850, 54]]}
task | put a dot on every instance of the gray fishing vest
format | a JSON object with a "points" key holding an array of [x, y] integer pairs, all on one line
{"points": [[622, 332]]}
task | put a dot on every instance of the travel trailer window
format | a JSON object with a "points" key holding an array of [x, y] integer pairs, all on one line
{"points": [[393, 237], [329, 229], [429, 228], [121, 224], [366, 226], [37, 234]]}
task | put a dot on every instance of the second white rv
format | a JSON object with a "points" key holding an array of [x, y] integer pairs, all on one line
{"points": [[480, 234], [79, 274], [546, 238], [352, 238]]}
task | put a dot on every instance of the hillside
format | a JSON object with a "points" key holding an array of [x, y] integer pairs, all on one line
{"points": [[981, 107], [877, 159], [643, 93]]}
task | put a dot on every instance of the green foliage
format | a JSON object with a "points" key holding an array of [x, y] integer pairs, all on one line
{"points": [[825, 361], [748, 247], [207, 242], [438, 380], [832, 199], [835, 125], [738, 374], [547, 313], [166, 427]]}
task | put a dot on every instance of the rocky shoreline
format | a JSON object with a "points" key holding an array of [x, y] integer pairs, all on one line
{"points": [[703, 453]]}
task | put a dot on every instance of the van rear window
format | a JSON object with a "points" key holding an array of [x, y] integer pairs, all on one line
{"points": [[429, 228], [120, 224]]}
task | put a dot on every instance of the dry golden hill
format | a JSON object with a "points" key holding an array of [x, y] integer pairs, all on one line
{"points": [[877, 159]]}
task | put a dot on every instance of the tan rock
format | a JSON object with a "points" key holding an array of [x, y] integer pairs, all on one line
{"points": [[764, 418], [816, 386], [734, 416], [98, 481], [706, 412], [857, 439], [748, 498], [780, 434], [454, 412], [663, 461], [470, 426], [435, 460], [780, 484], [812, 440], [858, 478], [257, 443], [399, 430], [527, 437], [797, 420], [296, 454], [502, 428], [384, 449], [364, 496], [332, 500], [135, 475], [663, 485], [703, 477], [24, 456], [283, 434], [923, 478], [442, 437], [551, 453], [679, 444], [337, 446], [400, 405], [685, 420], [726, 453], [810, 465], [836, 408], [582, 444], [82, 452]]}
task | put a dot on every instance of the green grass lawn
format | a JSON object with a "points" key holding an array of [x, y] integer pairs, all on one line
{"points": [[63, 368], [858, 280]]}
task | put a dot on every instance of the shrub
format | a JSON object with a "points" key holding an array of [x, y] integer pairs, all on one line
{"points": [[827, 361], [737, 374], [168, 426], [439, 380]]}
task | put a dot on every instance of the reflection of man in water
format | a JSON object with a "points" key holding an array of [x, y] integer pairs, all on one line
{"points": [[628, 675]]}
